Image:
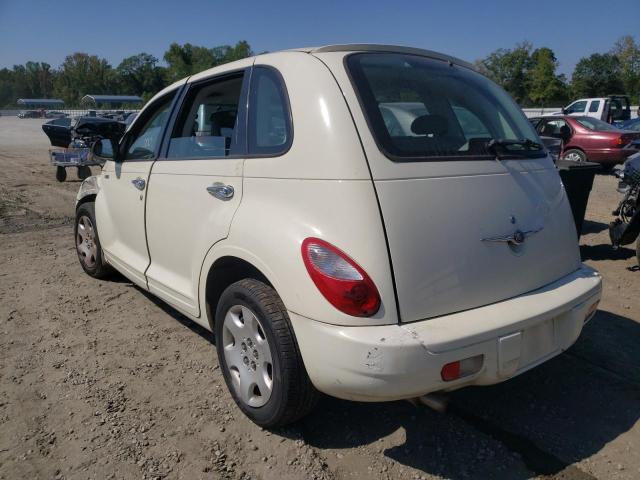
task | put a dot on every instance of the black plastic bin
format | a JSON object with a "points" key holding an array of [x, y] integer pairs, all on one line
{"points": [[577, 179]]}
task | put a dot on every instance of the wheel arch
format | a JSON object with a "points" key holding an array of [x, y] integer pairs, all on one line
{"points": [[222, 267], [88, 191], [86, 199]]}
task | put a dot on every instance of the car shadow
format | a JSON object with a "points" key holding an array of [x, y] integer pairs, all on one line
{"points": [[605, 252], [548, 419], [589, 226], [179, 317]]}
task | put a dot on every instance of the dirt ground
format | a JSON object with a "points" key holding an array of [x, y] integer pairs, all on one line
{"points": [[100, 380]]}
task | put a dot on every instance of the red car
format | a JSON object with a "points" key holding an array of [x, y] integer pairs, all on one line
{"points": [[587, 139]]}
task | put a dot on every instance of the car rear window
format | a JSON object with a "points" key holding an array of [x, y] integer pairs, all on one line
{"points": [[425, 109], [595, 124]]}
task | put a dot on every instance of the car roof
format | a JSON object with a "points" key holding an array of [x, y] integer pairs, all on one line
{"points": [[384, 48], [355, 47]]}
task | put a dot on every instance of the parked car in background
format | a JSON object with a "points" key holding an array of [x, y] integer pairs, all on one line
{"points": [[611, 109], [29, 114], [587, 138], [631, 125], [338, 238], [55, 114]]}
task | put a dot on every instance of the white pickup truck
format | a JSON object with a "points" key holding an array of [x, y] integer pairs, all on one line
{"points": [[614, 108]]}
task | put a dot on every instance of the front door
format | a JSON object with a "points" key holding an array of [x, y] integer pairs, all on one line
{"points": [[120, 205], [195, 187]]}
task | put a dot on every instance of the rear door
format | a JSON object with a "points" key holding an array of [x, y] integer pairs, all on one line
{"points": [[449, 207], [120, 206], [196, 186]]}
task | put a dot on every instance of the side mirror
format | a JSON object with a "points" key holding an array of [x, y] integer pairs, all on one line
{"points": [[563, 110], [105, 149]]}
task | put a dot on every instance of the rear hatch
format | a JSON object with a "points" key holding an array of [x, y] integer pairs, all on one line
{"points": [[469, 221]]}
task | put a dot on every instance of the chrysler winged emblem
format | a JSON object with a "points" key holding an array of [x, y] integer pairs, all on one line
{"points": [[516, 238]]}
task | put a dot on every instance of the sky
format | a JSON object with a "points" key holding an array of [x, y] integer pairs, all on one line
{"points": [[48, 30]]}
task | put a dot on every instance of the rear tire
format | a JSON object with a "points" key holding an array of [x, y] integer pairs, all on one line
{"points": [[262, 366], [575, 155], [61, 174], [87, 242], [638, 250], [84, 172]]}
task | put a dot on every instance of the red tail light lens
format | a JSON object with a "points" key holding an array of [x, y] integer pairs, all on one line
{"points": [[621, 141], [340, 280]]}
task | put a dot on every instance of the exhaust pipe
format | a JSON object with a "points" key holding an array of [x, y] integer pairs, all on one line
{"points": [[435, 401]]}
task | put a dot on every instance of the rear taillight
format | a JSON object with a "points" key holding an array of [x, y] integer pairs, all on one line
{"points": [[340, 280], [621, 141]]}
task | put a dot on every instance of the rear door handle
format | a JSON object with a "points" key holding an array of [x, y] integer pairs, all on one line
{"points": [[221, 191], [139, 183]]}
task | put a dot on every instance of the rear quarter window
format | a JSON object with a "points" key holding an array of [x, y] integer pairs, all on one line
{"points": [[270, 127]]}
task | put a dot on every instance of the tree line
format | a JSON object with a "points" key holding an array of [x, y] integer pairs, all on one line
{"points": [[81, 74], [528, 74]]}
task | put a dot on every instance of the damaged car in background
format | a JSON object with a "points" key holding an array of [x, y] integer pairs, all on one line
{"points": [[71, 141]]}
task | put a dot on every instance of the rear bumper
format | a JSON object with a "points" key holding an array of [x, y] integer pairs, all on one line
{"points": [[392, 362], [608, 155]]}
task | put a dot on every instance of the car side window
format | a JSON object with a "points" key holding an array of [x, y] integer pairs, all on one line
{"points": [[552, 128], [209, 124], [270, 129], [577, 107], [146, 139], [595, 105]]}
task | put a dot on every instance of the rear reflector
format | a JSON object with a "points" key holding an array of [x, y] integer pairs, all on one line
{"points": [[461, 368]]}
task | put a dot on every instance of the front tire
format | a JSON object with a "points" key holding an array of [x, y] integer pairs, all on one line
{"points": [[87, 242], [259, 357], [575, 155]]}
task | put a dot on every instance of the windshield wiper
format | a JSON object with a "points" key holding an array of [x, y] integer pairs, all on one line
{"points": [[528, 145]]}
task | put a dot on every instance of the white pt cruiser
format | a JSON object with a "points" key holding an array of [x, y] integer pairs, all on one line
{"points": [[368, 221]]}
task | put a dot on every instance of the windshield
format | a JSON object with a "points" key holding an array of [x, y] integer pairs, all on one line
{"points": [[424, 109], [595, 124]]}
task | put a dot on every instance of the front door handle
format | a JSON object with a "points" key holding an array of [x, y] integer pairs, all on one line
{"points": [[139, 183], [221, 191]]}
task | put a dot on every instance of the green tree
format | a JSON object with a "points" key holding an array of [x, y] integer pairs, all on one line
{"points": [[597, 76], [81, 74], [627, 52], [509, 68], [39, 79], [543, 85], [187, 59], [140, 75], [7, 93], [227, 53]]}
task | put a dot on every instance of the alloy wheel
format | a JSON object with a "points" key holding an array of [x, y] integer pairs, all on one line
{"points": [[573, 157], [86, 243], [248, 356]]}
